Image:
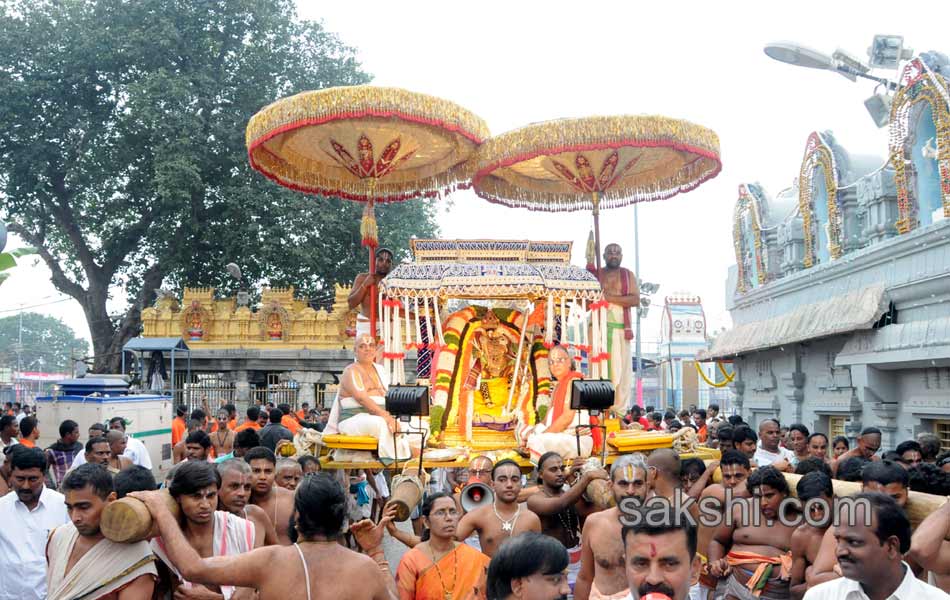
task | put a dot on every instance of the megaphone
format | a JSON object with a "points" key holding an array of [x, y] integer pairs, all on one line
{"points": [[475, 495]]}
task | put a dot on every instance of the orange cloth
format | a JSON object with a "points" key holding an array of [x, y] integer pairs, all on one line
{"points": [[247, 425], [232, 424], [417, 578], [761, 563], [702, 434], [178, 430], [27, 443], [559, 402], [290, 423], [301, 415]]}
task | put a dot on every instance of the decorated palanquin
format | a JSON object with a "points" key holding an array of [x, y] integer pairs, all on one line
{"points": [[495, 308], [475, 391]]}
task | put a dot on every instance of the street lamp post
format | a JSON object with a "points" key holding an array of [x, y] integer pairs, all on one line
{"points": [[886, 52], [638, 382]]}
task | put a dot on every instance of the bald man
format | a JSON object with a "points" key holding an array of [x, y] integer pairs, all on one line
{"points": [[869, 442], [117, 443]]}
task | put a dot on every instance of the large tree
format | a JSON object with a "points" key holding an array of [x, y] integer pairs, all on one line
{"points": [[35, 342], [122, 154]]}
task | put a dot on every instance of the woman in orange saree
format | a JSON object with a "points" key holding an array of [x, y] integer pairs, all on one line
{"points": [[441, 568]]}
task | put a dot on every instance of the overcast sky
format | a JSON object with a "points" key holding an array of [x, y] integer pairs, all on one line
{"points": [[514, 63]]}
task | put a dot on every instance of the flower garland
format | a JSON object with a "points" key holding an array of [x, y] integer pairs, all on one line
{"points": [[748, 202], [819, 154], [722, 369]]}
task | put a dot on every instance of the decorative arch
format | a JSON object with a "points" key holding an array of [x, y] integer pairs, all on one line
{"points": [[819, 157], [752, 270], [921, 88]]}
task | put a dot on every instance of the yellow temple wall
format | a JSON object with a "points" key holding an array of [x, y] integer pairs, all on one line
{"points": [[281, 321]]}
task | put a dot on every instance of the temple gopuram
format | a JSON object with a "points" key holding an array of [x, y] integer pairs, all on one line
{"points": [[840, 296], [282, 350]]}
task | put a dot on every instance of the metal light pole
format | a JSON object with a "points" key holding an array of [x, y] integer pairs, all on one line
{"points": [[637, 385], [19, 346]]}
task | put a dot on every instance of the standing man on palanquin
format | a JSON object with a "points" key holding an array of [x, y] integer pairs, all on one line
{"points": [[622, 292], [365, 285]]}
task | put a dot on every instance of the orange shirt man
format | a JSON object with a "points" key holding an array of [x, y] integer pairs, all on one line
{"points": [[179, 427], [253, 413], [290, 423]]}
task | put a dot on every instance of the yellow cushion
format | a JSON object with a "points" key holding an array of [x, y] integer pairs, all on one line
{"points": [[350, 442]]}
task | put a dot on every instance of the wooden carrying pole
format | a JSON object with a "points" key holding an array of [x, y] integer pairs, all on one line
{"points": [[919, 505]]}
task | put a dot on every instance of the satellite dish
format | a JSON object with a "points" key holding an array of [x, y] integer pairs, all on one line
{"points": [[3, 236], [794, 54]]}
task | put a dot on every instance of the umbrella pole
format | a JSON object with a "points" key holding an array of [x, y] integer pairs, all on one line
{"points": [[373, 292], [595, 197]]}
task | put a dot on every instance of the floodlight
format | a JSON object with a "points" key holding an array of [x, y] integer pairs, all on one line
{"points": [[642, 311], [795, 54], [887, 51], [649, 288], [879, 107], [592, 394], [408, 401], [645, 301]]}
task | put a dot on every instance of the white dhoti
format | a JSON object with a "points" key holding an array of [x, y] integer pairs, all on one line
{"points": [[105, 568], [349, 417], [620, 363], [564, 444], [390, 447]]}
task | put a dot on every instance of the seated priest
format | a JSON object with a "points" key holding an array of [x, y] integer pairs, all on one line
{"points": [[556, 431], [360, 405]]}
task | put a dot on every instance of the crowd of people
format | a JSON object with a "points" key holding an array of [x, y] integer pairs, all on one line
{"points": [[238, 520]]}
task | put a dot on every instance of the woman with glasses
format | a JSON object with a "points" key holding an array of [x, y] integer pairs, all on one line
{"points": [[441, 567]]}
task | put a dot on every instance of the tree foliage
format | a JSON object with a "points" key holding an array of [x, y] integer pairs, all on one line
{"points": [[48, 343], [122, 155]]}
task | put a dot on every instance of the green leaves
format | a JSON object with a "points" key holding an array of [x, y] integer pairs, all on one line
{"points": [[8, 259], [48, 343], [122, 149]]}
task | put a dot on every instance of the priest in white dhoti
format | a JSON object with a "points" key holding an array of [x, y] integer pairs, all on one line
{"points": [[82, 563], [360, 405], [557, 430]]}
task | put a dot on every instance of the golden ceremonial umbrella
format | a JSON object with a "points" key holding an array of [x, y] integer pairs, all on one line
{"points": [[365, 143], [594, 163]]}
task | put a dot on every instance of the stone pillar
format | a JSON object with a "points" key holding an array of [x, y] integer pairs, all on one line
{"points": [[306, 382], [739, 386], [793, 391], [306, 393], [887, 413], [242, 388]]}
